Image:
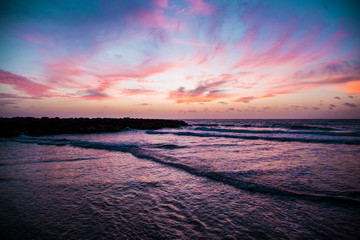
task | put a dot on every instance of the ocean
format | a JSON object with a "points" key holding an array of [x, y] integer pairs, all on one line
{"points": [[215, 179]]}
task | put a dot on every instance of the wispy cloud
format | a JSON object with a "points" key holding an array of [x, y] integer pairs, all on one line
{"points": [[97, 93], [161, 3], [200, 7], [138, 92], [24, 85], [245, 99], [204, 92], [224, 103], [15, 96]]}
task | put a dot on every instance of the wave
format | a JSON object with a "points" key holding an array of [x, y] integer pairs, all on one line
{"points": [[278, 139], [224, 178], [48, 161], [345, 134], [165, 146], [206, 125], [279, 125], [305, 127]]}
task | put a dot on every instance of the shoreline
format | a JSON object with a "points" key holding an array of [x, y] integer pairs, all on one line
{"points": [[13, 127]]}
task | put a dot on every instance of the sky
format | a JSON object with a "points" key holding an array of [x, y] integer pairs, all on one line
{"points": [[181, 59]]}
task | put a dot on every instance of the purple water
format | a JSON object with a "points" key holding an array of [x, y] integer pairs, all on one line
{"points": [[216, 179]]}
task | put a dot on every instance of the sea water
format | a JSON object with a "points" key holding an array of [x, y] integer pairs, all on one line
{"points": [[215, 179]]}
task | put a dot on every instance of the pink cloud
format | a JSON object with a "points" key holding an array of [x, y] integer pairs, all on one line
{"points": [[131, 92], [341, 76], [326, 81], [317, 53], [144, 70], [150, 19], [97, 93], [63, 71], [38, 39], [204, 55], [33, 35], [207, 89], [200, 7], [245, 99], [123, 76], [249, 38], [268, 94], [64, 74], [160, 3], [344, 75], [330, 70], [25, 85], [295, 86], [284, 47], [200, 57], [204, 92]]}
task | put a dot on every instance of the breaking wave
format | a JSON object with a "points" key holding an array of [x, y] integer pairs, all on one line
{"points": [[262, 137], [350, 134]]}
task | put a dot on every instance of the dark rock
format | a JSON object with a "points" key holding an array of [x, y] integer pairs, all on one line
{"points": [[12, 127]]}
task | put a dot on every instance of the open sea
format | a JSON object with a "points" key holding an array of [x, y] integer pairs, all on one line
{"points": [[215, 179]]}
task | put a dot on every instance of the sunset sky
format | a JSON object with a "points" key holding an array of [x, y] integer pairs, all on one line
{"points": [[180, 58]]}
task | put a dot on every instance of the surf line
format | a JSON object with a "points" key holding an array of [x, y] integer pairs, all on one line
{"points": [[140, 153], [277, 139]]}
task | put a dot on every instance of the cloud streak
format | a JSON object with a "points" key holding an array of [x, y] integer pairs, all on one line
{"points": [[205, 92], [24, 85]]}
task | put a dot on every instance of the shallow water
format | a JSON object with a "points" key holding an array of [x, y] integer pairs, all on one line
{"points": [[217, 179]]}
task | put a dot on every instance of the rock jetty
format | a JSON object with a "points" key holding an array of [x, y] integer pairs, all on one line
{"points": [[12, 127]]}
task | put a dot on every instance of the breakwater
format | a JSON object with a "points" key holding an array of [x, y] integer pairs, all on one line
{"points": [[12, 127]]}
